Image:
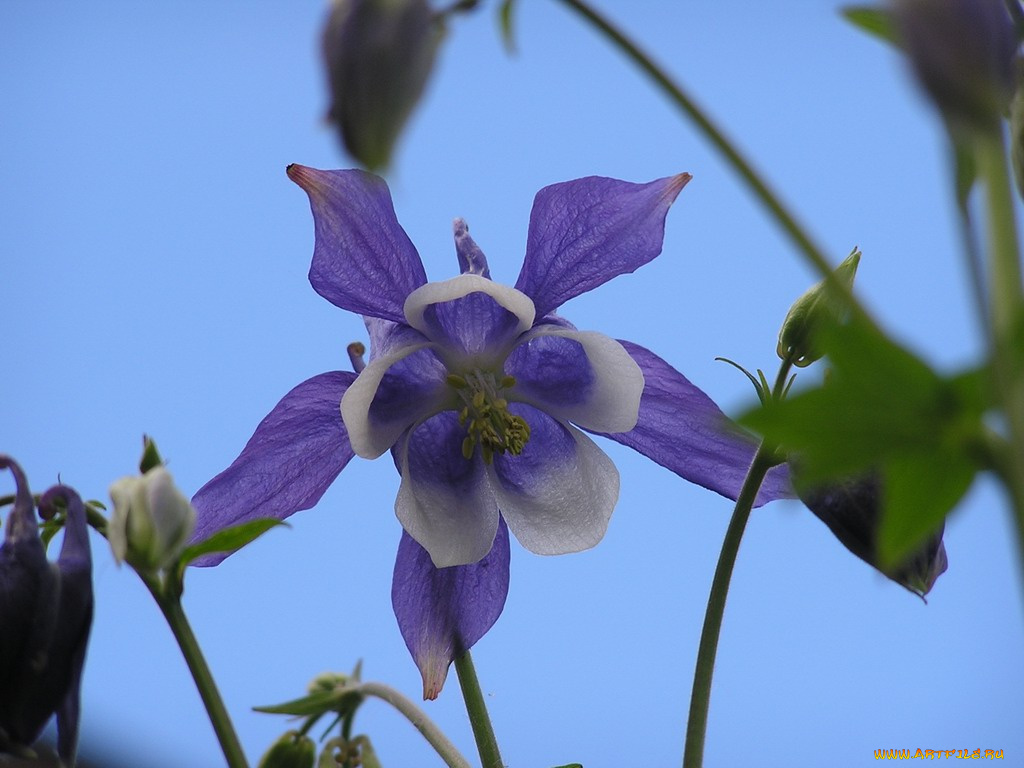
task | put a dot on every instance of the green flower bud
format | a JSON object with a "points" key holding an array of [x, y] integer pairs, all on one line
{"points": [[151, 522], [379, 54], [292, 750], [797, 337]]}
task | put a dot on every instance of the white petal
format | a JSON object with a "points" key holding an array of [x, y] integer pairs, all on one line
{"points": [[516, 302], [612, 401], [444, 501], [567, 504], [371, 437]]}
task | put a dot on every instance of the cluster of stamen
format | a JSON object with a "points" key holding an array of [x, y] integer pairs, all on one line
{"points": [[486, 417]]}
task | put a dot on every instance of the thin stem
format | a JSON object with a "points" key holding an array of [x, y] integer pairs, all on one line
{"points": [[170, 606], [700, 697], [476, 708], [434, 736], [712, 133]]}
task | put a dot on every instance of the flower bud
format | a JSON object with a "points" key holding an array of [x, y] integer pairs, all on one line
{"points": [[379, 54], [45, 616], [852, 511], [292, 750], [152, 520], [810, 312], [963, 54]]}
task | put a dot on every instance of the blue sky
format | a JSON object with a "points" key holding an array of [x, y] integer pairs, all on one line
{"points": [[154, 260]]}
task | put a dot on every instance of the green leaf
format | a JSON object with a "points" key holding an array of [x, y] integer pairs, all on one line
{"points": [[316, 704], [150, 455], [49, 529], [230, 539], [920, 490], [875, 21], [876, 400]]}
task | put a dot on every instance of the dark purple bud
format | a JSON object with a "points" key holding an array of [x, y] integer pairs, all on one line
{"points": [[45, 616], [963, 54], [379, 54], [852, 511]]}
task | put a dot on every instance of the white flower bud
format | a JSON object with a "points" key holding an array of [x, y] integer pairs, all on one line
{"points": [[152, 520]]}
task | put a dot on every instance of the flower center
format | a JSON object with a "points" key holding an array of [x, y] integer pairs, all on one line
{"points": [[486, 417]]}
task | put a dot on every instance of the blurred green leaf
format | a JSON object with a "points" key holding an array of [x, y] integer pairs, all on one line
{"points": [[875, 21], [230, 539], [920, 490], [883, 409], [879, 400]]}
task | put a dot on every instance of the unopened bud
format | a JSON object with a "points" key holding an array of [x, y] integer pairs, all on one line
{"points": [[151, 522], [818, 306], [379, 54], [292, 750]]}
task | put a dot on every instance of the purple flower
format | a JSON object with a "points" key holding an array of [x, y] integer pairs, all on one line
{"points": [[45, 616], [482, 394]]}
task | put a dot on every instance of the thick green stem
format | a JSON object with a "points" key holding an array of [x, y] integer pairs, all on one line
{"points": [[476, 708], [700, 697], [170, 605], [1006, 311], [434, 736]]}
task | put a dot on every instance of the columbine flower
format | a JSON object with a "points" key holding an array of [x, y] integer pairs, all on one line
{"points": [[45, 616], [480, 391]]}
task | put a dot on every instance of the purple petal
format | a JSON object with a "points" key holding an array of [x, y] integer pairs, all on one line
{"points": [[21, 522], [362, 259], [585, 232], [28, 617], [558, 494], [288, 463], [74, 620], [444, 501], [442, 612], [682, 429]]}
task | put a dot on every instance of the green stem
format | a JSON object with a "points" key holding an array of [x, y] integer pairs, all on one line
{"points": [[170, 606], [476, 708], [434, 736], [713, 134], [1006, 311], [700, 697]]}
